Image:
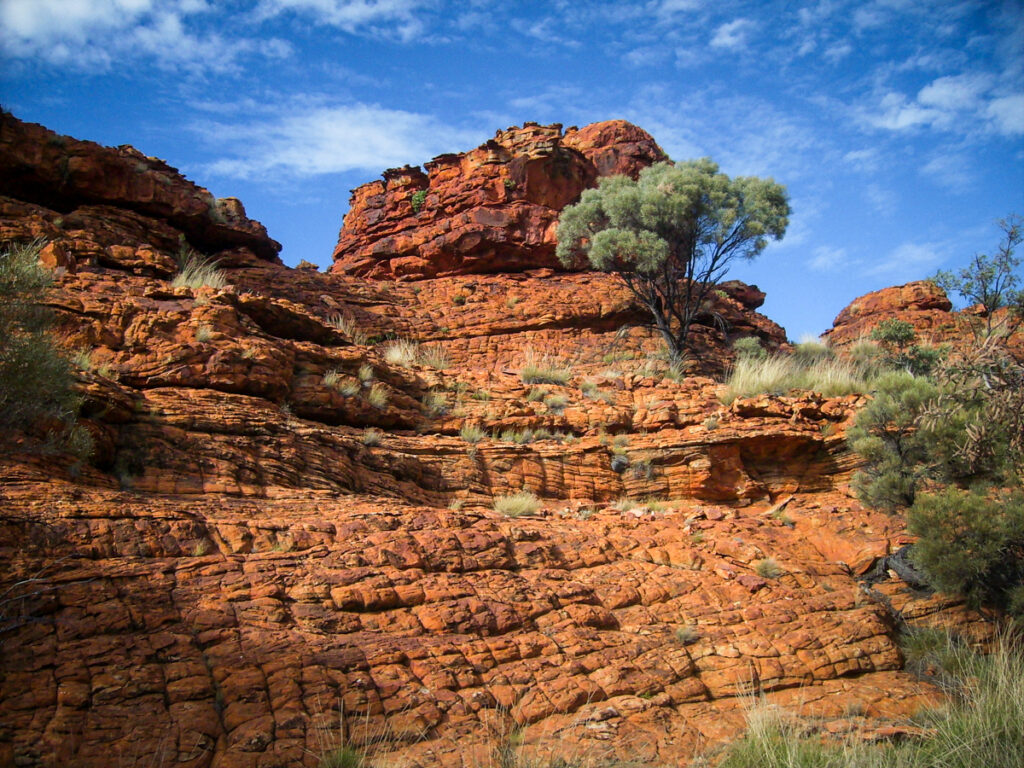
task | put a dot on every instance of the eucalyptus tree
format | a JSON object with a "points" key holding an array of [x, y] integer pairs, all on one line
{"points": [[672, 234]]}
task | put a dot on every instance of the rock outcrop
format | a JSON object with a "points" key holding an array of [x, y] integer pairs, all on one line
{"points": [[922, 303], [286, 540], [493, 209]]}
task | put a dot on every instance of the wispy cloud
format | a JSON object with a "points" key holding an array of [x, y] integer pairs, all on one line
{"points": [[909, 261], [952, 171], [828, 259], [397, 18], [316, 140], [732, 35]]}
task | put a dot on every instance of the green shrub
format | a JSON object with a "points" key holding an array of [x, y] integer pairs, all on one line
{"points": [[886, 435], [811, 352], [556, 403], [749, 346], [36, 378], [516, 504], [971, 543], [418, 198], [894, 333], [768, 569], [472, 433], [195, 271]]}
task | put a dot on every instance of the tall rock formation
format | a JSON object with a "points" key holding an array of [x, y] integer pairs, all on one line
{"points": [[492, 209]]}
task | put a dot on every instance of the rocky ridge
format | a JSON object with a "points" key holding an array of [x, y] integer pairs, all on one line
{"points": [[284, 538]]}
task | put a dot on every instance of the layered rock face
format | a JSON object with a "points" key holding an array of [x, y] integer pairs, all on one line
{"points": [[286, 541], [493, 209], [922, 303]]}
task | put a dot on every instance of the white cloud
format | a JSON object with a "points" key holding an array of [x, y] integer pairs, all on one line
{"points": [[732, 35], [838, 51], [1007, 114], [827, 259], [955, 92], [882, 199], [862, 159], [909, 261], [952, 171], [95, 34], [310, 141], [398, 17]]}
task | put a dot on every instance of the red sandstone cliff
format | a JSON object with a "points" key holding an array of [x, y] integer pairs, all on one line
{"points": [[242, 564], [493, 209]]}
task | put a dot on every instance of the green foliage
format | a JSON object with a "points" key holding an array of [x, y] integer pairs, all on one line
{"points": [[971, 543], [418, 198], [991, 281], [343, 757], [749, 347], [472, 433], [36, 378], [896, 338], [887, 437], [672, 234], [893, 332]]}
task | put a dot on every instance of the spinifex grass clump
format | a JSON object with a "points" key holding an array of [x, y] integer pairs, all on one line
{"points": [[779, 373], [516, 504], [544, 369], [195, 271], [981, 725]]}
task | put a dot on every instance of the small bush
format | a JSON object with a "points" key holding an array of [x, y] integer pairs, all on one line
{"points": [[811, 351], [365, 373], [204, 333], [768, 569], [36, 379], [516, 504], [544, 369], [349, 388], [971, 543], [378, 396], [749, 347], [472, 433], [417, 199], [556, 403], [536, 395], [372, 437], [332, 379], [195, 271]]}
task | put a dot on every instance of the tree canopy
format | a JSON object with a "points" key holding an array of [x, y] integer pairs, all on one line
{"points": [[671, 235]]}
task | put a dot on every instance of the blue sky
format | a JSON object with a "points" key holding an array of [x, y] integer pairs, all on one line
{"points": [[897, 125]]}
